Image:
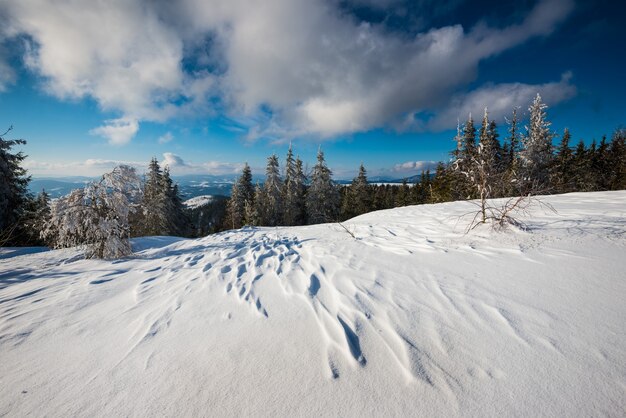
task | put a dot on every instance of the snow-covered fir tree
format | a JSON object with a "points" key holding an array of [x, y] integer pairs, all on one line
{"points": [[536, 157], [293, 191], [323, 199], [257, 212], [154, 220], [235, 208], [272, 193], [96, 217]]}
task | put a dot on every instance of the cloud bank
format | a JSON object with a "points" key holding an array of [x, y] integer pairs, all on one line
{"points": [[284, 68]]}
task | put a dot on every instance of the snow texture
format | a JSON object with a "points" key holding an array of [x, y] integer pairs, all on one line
{"points": [[411, 318]]}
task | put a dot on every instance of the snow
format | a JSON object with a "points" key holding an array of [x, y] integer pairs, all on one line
{"points": [[196, 202], [412, 318]]}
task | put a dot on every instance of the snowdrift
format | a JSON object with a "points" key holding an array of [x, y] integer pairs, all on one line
{"points": [[411, 318]]}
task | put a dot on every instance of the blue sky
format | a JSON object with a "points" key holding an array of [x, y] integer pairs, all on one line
{"points": [[207, 85]]}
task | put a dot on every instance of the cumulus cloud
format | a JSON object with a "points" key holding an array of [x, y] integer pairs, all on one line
{"points": [[500, 99], [90, 167], [95, 166], [178, 166], [117, 131], [291, 67], [165, 138], [414, 167]]}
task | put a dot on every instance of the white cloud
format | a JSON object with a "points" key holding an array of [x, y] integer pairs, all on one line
{"points": [[312, 68], [117, 131], [178, 166], [95, 167], [414, 167], [165, 138], [500, 100], [90, 167]]}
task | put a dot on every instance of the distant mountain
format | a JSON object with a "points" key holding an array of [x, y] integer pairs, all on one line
{"points": [[189, 186], [57, 187]]}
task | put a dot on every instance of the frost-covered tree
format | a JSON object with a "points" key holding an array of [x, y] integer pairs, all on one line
{"points": [[241, 203], [96, 217], [272, 193], [323, 199], [536, 157], [258, 210], [154, 220], [491, 155], [468, 153], [235, 208], [14, 194], [511, 157], [293, 191]]}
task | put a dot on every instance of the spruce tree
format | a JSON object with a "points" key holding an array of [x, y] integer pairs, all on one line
{"points": [[323, 200], [155, 221], [257, 214], [467, 154], [617, 158], [14, 196], [403, 198], [300, 216], [272, 193], [246, 188], [357, 196], [292, 191], [537, 153], [441, 185], [562, 166], [235, 208], [511, 159]]}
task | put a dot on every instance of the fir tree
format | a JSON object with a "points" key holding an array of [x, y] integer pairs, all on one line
{"points": [[154, 220], [357, 199], [272, 193], [403, 198], [441, 185], [257, 214], [537, 154], [293, 191], [96, 217], [562, 166], [14, 195], [323, 200], [235, 208], [246, 188], [617, 158]]}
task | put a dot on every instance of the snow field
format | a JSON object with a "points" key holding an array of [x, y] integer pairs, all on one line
{"points": [[412, 318]]}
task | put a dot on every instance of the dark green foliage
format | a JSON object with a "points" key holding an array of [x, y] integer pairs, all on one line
{"points": [[14, 196], [356, 198], [323, 200]]}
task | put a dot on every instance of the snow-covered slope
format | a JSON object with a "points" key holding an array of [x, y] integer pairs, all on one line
{"points": [[412, 318], [196, 202]]}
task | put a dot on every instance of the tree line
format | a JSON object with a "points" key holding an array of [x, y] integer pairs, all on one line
{"points": [[481, 167], [106, 213]]}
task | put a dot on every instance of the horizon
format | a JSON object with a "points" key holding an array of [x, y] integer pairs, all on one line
{"points": [[380, 84]]}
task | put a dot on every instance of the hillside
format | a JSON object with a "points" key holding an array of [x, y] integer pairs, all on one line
{"points": [[411, 318]]}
